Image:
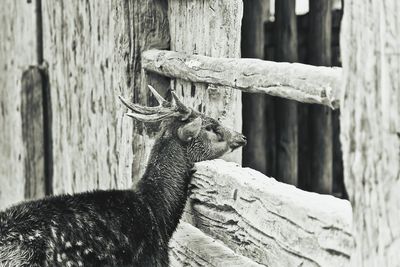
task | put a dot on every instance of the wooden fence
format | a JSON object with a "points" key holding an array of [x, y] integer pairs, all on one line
{"points": [[95, 51], [271, 223]]}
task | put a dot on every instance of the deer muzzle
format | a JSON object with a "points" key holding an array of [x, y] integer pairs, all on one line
{"points": [[237, 141]]}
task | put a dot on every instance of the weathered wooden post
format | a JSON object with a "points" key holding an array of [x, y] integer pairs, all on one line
{"points": [[370, 124], [285, 110], [33, 132], [94, 53], [320, 118], [17, 52], [255, 105]]}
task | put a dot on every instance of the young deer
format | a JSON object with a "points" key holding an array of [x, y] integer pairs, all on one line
{"points": [[120, 227]]}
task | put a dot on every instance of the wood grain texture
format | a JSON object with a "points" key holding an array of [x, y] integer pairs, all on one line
{"points": [[93, 49], [191, 247], [210, 28], [17, 52], [300, 82], [32, 82], [272, 223], [370, 127]]}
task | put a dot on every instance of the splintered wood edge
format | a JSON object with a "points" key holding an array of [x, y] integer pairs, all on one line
{"points": [[295, 81], [191, 247]]}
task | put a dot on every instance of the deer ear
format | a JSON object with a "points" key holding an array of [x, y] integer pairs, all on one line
{"points": [[190, 130]]}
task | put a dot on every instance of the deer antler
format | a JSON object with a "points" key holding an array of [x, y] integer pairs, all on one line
{"points": [[159, 98], [163, 111]]}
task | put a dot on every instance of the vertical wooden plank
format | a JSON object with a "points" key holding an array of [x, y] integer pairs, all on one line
{"points": [[370, 125], [33, 132], [286, 110], [270, 123], [320, 118], [210, 28], [338, 188], [17, 48], [93, 49], [254, 105], [303, 110]]}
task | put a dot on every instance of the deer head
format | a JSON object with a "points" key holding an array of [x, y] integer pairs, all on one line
{"points": [[204, 138]]}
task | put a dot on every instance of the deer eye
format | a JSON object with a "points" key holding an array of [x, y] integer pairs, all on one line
{"points": [[209, 128], [214, 130], [219, 134]]}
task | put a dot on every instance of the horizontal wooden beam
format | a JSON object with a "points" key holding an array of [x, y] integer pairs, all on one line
{"points": [[300, 82], [272, 223], [191, 247]]}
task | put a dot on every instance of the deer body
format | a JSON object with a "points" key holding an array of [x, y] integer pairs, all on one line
{"points": [[117, 227]]}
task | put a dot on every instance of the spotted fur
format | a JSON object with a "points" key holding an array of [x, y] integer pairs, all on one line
{"points": [[117, 227]]}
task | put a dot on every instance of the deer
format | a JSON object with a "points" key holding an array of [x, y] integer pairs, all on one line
{"points": [[130, 227]]}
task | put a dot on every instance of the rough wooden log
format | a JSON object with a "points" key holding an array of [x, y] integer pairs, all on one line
{"points": [[93, 49], [210, 28], [270, 222], [370, 127], [300, 82], [17, 52], [255, 13], [191, 247]]}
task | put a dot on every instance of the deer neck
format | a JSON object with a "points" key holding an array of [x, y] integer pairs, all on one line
{"points": [[165, 182]]}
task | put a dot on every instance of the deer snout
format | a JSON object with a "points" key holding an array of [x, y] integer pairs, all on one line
{"points": [[237, 141]]}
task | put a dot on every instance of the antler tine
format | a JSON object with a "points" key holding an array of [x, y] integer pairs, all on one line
{"points": [[178, 103], [159, 98], [152, 117], [142, 109], [163, 111], [123, 100]]}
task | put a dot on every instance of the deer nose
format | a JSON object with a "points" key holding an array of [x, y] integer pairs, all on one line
{"points": [[238, 141]]}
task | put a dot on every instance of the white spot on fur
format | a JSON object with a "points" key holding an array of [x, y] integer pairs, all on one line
{"points": [[68, 244], [53, 232], [59, 257], [87, 251], [51, 244], [37, 233], [79, 243]]}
